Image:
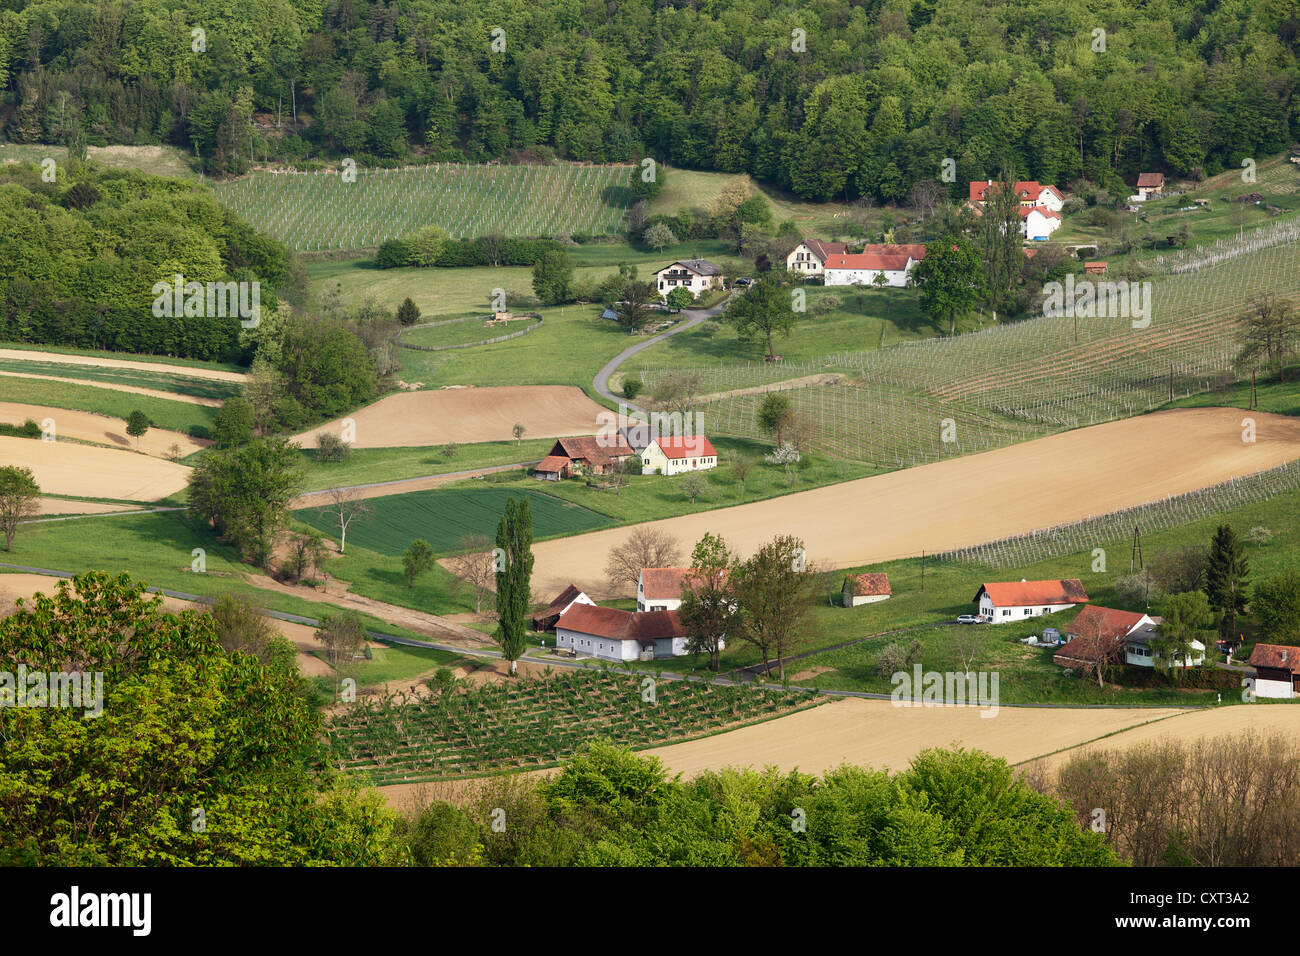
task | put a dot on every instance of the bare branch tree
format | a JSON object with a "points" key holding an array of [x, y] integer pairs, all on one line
{"points": [[346, 505], [645, 547], [473, 564]]}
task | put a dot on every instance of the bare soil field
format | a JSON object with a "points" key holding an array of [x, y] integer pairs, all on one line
{"points": [[467, 415], [876, 733], [132, 389], [62, 506], [971, 500], [101, 429], [1266, 718], [215, 374], [84, 471]]}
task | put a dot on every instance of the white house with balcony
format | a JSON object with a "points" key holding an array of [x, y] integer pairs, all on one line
{"points": [[695, 275]]}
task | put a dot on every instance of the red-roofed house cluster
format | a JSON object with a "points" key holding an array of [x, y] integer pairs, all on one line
{"points": [[653, 630], [1119, 636], [603, 455], [1040, 205], [837, 266]]}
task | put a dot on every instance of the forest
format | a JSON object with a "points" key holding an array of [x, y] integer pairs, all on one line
{"points": [[839, 99]]}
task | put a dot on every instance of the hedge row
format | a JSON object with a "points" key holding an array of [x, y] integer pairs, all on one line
{"points": [[457, 253]]}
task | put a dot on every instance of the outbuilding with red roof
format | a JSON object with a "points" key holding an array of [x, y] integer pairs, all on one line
{"points": [[617, 635]]}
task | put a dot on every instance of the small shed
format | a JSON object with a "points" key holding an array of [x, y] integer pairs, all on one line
{"points": [[1095, 268], [868, 588], [552, 468], [609, 314]]}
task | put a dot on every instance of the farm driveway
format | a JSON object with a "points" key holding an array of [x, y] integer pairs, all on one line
{"points": [[601, 383]]}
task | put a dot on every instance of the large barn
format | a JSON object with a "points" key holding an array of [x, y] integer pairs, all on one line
{"points": [[1007, 601]]}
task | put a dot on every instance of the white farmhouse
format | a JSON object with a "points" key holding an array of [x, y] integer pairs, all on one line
{"points": [[672, 456], [809, 257], [615, 635], [696, 275], [862, 269], [660, 589], [1029, 193], [1098, 632], [1038, 223], [1014, 601]]}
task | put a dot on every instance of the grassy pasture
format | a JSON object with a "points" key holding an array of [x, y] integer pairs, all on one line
{"points": [[163, 413], [443, 516], [162, 381], [365, 465], [471, 331]]}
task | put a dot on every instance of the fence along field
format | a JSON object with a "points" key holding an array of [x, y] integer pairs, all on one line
{"points": [[1080, 537], [535, 722], [319, 211], [1023, 380]]}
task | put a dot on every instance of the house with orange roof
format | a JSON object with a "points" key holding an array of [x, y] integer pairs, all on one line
{"points": [[863, 267], [1038, 223], [613, 634], [1000, 603], [672, 456], [1149, 186], [1122, 636], [1030, 192], [1277, 670]]}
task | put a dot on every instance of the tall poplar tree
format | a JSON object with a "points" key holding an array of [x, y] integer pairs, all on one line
{"points": [[514, 559]]}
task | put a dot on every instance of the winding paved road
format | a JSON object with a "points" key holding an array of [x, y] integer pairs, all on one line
{"points": [[601, 382]]}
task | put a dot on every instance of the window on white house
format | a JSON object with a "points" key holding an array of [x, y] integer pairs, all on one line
{"points": [[1006, 613]]}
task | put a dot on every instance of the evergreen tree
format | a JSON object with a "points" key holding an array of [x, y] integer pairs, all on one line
{"points": [[514, 558], [1227, 579]]}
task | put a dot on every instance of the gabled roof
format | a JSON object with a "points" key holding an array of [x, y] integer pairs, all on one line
{"points": [[663, 582], [598, 451], [1026, 189], [563, 600], [914, 249], [824, 250], [552, 464], [868, 261], [867, 585], [1105, 621], [1150, 180], [1087, 648], [1277, 656], [1029, 593], [689, 446], [699, 266], [645, 627], [1026, 211]]}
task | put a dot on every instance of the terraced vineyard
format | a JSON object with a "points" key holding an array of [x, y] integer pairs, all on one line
{"points": [[919, 401], [319, 211], [536, 722]]}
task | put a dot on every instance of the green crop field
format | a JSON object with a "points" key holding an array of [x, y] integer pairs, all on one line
{"points": [[445, 515], [536, 722], [161, 380], [162, 412], [320, 211]]}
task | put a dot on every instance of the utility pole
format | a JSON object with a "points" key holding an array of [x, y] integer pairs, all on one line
{"points": [[922, 572]]}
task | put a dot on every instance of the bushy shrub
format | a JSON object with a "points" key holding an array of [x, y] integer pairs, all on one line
{"points": [[330, 447]]}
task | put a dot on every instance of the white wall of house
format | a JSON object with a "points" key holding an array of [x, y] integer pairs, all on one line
{"points": [[1050, 199], [1038, 226], [803, 260], [655, 462], [1274, 689], [1005, 615], [675, 277], [895, 278], [851, 601], [594, 646], [1140, 655]]}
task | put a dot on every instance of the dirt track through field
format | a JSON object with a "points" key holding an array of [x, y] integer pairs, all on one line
{"points": [[215, 374], [85, 471], [132, 389], [101, 429], [468, 415], [970, 500], [62, 506]]}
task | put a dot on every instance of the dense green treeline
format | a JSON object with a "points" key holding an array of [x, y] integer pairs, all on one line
{"points": [[79, 258], [834, 99]]}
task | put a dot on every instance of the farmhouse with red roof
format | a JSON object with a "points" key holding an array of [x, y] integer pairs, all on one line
{"points": [[616, 635], [863, 267], [586, 454], [1149, 186], [1014, 601], [545, 620], [1125, 636], [1030, 192], [672, 456]]}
